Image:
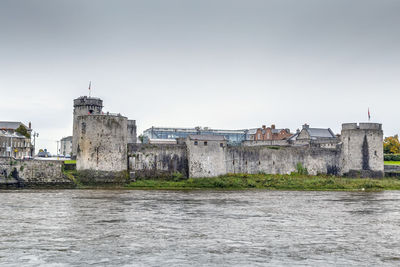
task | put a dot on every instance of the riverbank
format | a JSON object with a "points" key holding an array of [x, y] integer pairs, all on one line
{"points": [[271, 182], [294, 181]]}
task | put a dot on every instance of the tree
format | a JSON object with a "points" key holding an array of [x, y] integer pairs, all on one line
{"points": [[141, 138], [391, 145], [22, 130]]}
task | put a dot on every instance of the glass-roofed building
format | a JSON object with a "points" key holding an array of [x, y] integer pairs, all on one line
{"points": [[232, 136]]}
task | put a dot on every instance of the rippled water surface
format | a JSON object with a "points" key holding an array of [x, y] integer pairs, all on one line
{"points": [[198, 228]]}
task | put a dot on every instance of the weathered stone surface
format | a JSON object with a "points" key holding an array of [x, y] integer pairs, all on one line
{"points": [[102, 143], [281, 160], [32, 172], [146, 160], [362, 149], [96, 177], [83, 106], [206, 158], [132, 132], [392, 168]]}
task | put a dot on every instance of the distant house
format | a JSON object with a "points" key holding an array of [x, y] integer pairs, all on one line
{"points": [[271, 133], [13, 143], [66, 146], [324, 137], [250, 134], [206, 140], [232, 136]]}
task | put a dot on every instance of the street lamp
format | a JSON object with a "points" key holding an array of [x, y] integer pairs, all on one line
{"points": [[35, 134]]}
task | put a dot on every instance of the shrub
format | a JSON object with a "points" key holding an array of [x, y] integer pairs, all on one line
{"points": [[301, 170], [177, 176], [392, 157]]}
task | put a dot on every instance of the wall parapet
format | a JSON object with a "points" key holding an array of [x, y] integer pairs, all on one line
{"points": [[32, 172], [362, 126]]}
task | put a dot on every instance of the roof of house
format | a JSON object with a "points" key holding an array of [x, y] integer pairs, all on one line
{"points": [[11, 125], [13, 134], [320, 133], [252, 131], [207, 137], [315, 133], [68, 138], [276, 131]]}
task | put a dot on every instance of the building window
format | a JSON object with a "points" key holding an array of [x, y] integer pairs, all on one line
{"points": [[196, 143], [205, 143], [221, 144]]}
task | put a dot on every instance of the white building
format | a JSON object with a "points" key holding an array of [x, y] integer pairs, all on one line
{"points": [[66, 146], [13, 143]]}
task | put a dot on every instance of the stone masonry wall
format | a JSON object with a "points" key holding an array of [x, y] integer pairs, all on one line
{"points": [[281, 160], [146, 160], [102, 143], [362, 149], [265, 143], [31, 172], [206, 160]]}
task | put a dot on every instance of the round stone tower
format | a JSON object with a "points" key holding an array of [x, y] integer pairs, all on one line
{"points": [[83, 106], [362, 150], [102, 143]]}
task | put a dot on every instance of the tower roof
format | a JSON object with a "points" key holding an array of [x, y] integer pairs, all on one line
{"points": [[88, 101]]}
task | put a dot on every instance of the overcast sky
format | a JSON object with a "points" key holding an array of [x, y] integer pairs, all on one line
{"points": [[219, 63]]}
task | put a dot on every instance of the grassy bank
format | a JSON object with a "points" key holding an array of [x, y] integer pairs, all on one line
{"points": [[392, 162], [271, 182]]}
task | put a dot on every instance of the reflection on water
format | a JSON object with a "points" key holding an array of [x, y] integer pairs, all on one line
{"points": [[198, 228]]}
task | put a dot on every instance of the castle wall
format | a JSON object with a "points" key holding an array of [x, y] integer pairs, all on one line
{"points": [[281, 160], [206, 160], [132, 139], [102, 143], [31, 172], [265, 143], [83, 106], [362, 150], [146, 160]]}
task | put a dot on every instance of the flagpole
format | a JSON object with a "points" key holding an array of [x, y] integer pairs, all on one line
{"points": [[369, 116], [90, 83]]}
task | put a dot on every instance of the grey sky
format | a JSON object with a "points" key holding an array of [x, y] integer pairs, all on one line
{"points": [[222, 64]]}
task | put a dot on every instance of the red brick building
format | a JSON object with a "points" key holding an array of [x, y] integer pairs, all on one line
{"points": [[271, 133]]}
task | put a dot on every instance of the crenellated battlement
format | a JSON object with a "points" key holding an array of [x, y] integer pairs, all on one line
{"points": [[88, 101], [361, 126]]}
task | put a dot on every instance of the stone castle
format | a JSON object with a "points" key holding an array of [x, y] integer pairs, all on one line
{"points": [[105, 144]]}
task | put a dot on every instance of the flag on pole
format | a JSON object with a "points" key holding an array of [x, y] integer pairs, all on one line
{"points": [[369, 115], [90, 84]]}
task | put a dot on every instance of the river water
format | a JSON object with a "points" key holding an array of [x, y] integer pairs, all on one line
{"points": [[198, 228]]}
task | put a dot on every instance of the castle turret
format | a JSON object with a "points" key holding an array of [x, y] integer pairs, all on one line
{"points": [[102, 144], [132, 132], [83, 106], [362, 150]]}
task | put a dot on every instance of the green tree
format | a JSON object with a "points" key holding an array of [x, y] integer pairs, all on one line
{"points": [[391, 145], [22, 130], [141, 138]]}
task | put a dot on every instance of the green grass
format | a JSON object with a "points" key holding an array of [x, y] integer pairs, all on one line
{"points": [[69, 161], [392, 162], [271, 182]]}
